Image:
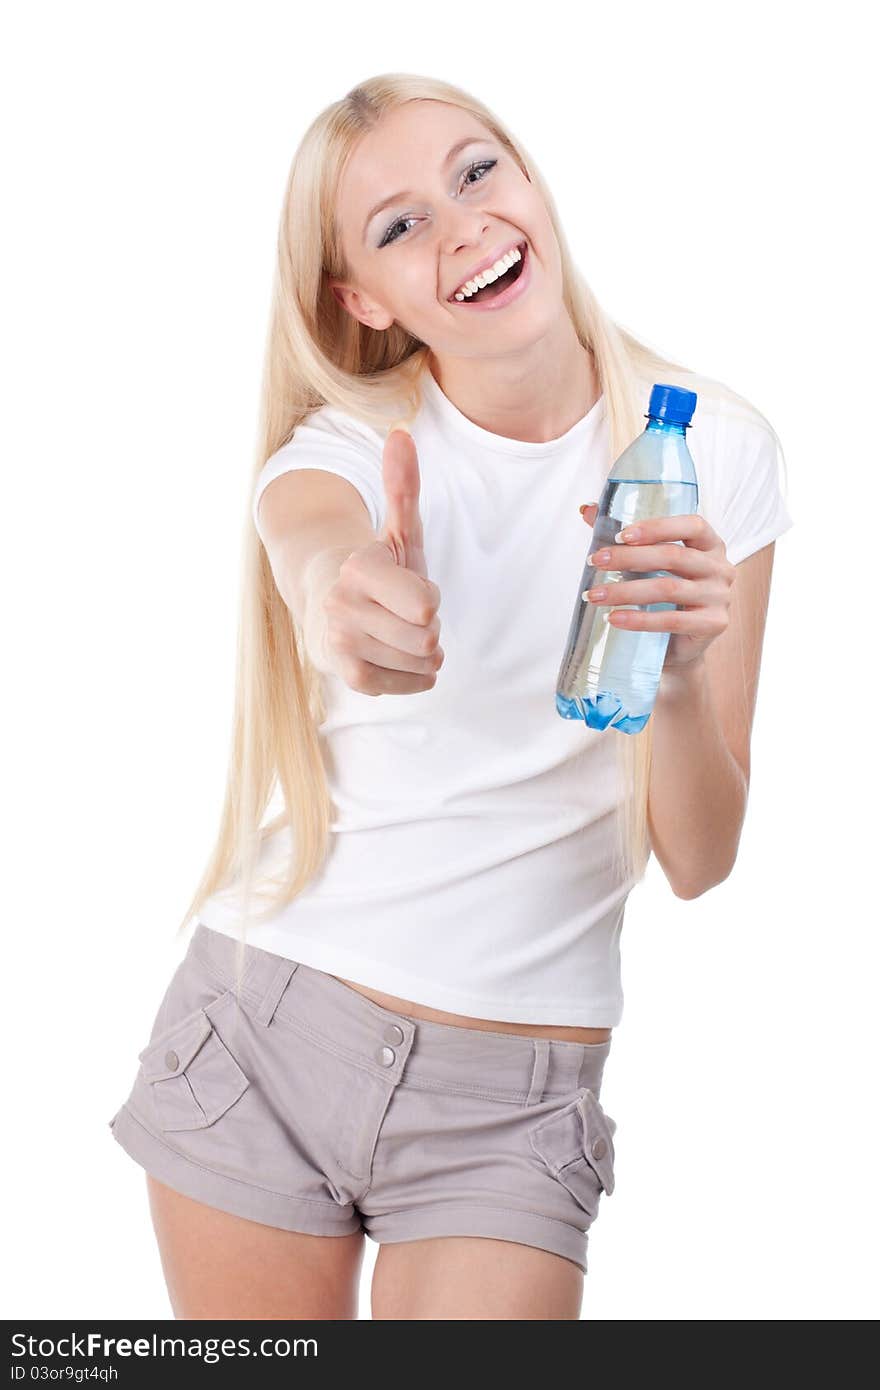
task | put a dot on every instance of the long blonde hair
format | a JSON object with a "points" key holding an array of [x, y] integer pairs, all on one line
{"points": [[317, 353]]}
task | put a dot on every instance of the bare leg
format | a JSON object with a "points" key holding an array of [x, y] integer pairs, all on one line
{"points": [[221, 1266], [466, 1277]]}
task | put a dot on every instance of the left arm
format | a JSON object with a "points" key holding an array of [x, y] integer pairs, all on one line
{"points": [[705, 704]]}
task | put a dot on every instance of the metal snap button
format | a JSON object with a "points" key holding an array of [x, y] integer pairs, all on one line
{"points": [[394, 1033], [599, 1149], [387, 1056], [172, 1061]]}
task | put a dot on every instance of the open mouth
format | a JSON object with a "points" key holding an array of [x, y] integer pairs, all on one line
{"points": [[502, 283]]}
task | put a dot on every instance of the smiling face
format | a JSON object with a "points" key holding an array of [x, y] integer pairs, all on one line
{"points": [[420, 211]]}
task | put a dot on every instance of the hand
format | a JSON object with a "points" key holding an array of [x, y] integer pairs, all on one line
{"points": [[381, 613], [700, 576]]}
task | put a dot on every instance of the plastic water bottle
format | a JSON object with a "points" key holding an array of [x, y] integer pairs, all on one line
{"points": [[609, 676]]}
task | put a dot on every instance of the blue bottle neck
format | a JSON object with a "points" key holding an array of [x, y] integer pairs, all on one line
{"points": [[657, 426]]}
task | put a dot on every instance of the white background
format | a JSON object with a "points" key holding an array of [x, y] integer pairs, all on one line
{"points": [[714, 171]]}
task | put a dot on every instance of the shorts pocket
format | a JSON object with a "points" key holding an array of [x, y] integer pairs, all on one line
{"points": [[577, 1146], [192, 1075]]}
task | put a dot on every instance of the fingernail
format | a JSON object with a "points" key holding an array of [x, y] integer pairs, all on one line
{"points": [[631, 533], [400, 425]]}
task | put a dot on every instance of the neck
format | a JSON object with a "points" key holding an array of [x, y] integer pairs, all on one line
{"points": [[534, 400]]}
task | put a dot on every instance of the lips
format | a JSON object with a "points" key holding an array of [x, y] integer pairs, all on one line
{"points": [[485, 265]]}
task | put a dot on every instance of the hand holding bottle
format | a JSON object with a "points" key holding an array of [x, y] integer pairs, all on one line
{"points": [[696, 573]]}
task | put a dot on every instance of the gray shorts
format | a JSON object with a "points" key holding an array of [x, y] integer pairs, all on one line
{"points": [[304, 1105]]}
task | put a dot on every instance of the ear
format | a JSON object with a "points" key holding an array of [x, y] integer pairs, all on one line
{"points": [[364, 310]]}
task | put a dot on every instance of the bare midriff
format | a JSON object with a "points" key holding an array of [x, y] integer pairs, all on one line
{"points": [[529, 1030]]}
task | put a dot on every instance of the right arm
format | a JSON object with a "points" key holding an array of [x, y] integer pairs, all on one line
{"points": [[311, 520]]}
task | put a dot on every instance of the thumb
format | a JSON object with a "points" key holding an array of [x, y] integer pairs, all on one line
{"points": [[401, 482], [589, 512]]}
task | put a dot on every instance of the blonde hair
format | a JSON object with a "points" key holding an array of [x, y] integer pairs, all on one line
{"points": [[318, 353]]}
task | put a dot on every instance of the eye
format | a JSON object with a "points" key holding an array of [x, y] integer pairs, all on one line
{"points": [[481, 167], [483, 164], [388, 237]]}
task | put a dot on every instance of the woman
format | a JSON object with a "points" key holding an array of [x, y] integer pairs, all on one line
{"points": [[409, 1039]]}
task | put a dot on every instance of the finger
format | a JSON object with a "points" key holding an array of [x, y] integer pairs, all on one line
{"points": [[686, 528], [673, 556], [373, 573], [389, 656], [401, 482], [661, 590], [695, 622], [363, 676], [388, 628]]}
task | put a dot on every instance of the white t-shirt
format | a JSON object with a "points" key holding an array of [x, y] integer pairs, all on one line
{"points": [[471, 855]]}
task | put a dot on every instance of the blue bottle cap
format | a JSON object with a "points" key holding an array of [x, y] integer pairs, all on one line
{"points": [[673, 404]]}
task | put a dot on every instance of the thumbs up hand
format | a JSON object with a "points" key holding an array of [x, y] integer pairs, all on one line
{"points": [[381, 613]]}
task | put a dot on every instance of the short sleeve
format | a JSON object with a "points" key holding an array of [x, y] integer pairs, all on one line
{"points": [[751, 509], [334, 441]]}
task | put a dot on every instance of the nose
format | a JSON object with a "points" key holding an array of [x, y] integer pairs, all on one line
{"points": [[461, 244], [467, 231]]}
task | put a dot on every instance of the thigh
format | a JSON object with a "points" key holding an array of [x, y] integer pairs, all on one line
{"points": [[463, 1277], [218, 1265]]}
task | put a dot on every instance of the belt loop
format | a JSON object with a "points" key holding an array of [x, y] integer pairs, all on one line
{"points": [[539, 1070], [271, 999]]}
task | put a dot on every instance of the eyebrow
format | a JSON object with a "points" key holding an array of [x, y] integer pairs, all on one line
{"points": [[395, 197]]}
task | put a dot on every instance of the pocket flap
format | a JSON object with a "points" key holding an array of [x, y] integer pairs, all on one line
{"points": [[170, 1053], [582, 1130]]}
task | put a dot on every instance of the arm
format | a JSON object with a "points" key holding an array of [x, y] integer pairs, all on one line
{"points": [[311, 520], [702, 733]]}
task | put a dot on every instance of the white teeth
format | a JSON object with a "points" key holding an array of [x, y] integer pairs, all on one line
{"points": [[487, 276]]}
